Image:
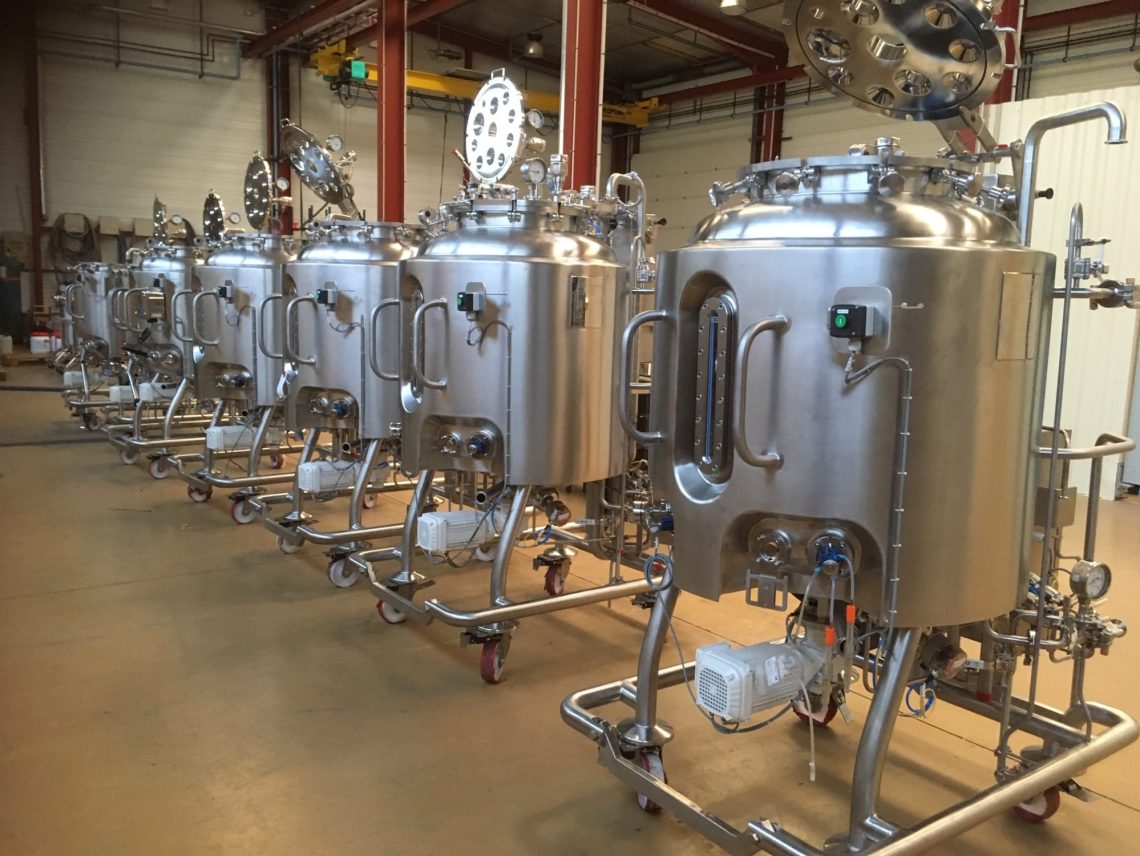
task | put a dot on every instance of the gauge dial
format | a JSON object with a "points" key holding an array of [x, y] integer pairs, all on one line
{"points": [[1090, 580]]}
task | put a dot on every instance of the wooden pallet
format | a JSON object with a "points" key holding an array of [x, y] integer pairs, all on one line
{"points": [[22, 357]]}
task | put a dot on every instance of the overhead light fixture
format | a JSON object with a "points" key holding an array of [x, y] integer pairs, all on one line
{"points": [[533, 49], [733, 7]]}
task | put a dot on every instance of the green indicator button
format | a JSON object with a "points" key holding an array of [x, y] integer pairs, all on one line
{"points": [[840, 321]]}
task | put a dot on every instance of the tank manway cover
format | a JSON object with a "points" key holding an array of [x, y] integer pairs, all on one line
{"points": [[908, 59], [495, 133], [258, 193], [213, 218], [316, 167]]}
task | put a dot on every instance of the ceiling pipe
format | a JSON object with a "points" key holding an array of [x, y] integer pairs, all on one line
{"points": [[755, 46], [1081, 15], [315, 17]]}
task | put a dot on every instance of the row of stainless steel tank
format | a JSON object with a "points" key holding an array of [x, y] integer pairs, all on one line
{"points": [[857, 344]]}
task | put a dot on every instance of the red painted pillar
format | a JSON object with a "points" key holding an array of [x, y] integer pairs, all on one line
{"points": [[32, 122], [277, 72], [768, 123], [392, 25], [583, 41]]}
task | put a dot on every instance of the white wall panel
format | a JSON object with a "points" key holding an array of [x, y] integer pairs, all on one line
{"points": [[1106, 179]]}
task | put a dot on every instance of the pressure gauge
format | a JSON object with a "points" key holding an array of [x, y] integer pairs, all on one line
{"points": [[176, 220], [234, 217], [282, 184], [535, 119], [1090, 580], [334, 143], [534, 170]]}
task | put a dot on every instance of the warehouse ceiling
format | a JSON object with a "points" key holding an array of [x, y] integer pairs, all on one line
{"points": [[649, 43]]}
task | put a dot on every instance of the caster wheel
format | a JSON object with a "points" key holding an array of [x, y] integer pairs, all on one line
{"points": [[129, 456], [242, 512], [276, 461], [368, 500], [650, 761], [1040, 808], [493, 659], [342, 574], [199, 494], [555, 583], [485, 554], [159, 469], [822, 717], [389, 613], [90, 421], [287, 547]]}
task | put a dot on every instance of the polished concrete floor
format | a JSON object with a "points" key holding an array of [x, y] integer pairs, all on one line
{"points": [[170, 683]]}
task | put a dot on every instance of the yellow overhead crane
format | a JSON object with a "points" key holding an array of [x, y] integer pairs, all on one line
{"points": [[334, 64]]}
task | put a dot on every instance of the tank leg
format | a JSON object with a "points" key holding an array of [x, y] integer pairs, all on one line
{"points": [[172, 408], [207, 452], [259, 442], [307, 450], [869, 762], [644, 729], [408, 536], [506, 546], [363, 477]]}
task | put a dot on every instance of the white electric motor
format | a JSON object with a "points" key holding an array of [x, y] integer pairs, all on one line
{"points": [[733, 684], [442, 531], [324, 476]]}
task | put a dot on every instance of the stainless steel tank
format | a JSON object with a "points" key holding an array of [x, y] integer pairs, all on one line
{"points": [[348, 335], [92, 304], [511, 326], [161, 272], [238, 318], [748, 335]]}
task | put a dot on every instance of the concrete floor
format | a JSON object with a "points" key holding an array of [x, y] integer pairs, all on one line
{"points": [[170, 683]]}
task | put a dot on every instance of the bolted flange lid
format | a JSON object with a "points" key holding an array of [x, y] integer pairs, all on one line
{"points": [[213, 218], [317, 168], [495, 128], [907, 59], [258, 192]]}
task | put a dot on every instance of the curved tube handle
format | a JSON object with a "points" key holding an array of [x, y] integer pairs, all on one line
{"points": [[176, 321], [69, 302], [118, 321], [194, 307], [769, 459], [374, 339], [292, 334], [418, 341], [628, 341], [261, 327], [127, 309]]}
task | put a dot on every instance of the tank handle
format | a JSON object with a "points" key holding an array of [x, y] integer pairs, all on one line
{"points": [[127, 309], [374, 339], [769, 459], [175, 321], [262, 326], [118, 321], [418, 370], [628, 341], [195, 305], [69, 302], [292, 334]]}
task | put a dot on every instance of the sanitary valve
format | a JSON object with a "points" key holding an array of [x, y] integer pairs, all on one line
{"points": [[479, 444], [341, 408]]}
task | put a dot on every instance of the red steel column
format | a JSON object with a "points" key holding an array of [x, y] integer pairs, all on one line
{"points": [[1009, 16], [278, 108], [35, 152], [583, 42], [391, 33]]}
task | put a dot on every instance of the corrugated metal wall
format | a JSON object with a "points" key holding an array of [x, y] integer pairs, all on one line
{"points": [[1106, 179]]}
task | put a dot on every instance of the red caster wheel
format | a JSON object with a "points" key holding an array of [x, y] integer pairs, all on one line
{"points": [[822, 717], [390, 614], [199, 494], [276, 461], [159, 469], [368, 500], [554, 583], [1040, 808], [651, 762], [242, 512], [493, 659]]}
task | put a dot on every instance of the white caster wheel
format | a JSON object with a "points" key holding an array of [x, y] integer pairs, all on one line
{"points": [[485, 554], [650, 761], [368, 500], [493, 660], [287, 547], [342, 574], [90, 421], [1040, 808], [389, 613], [159, 469], [242, 512], [199, 494], [129, 456]]}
